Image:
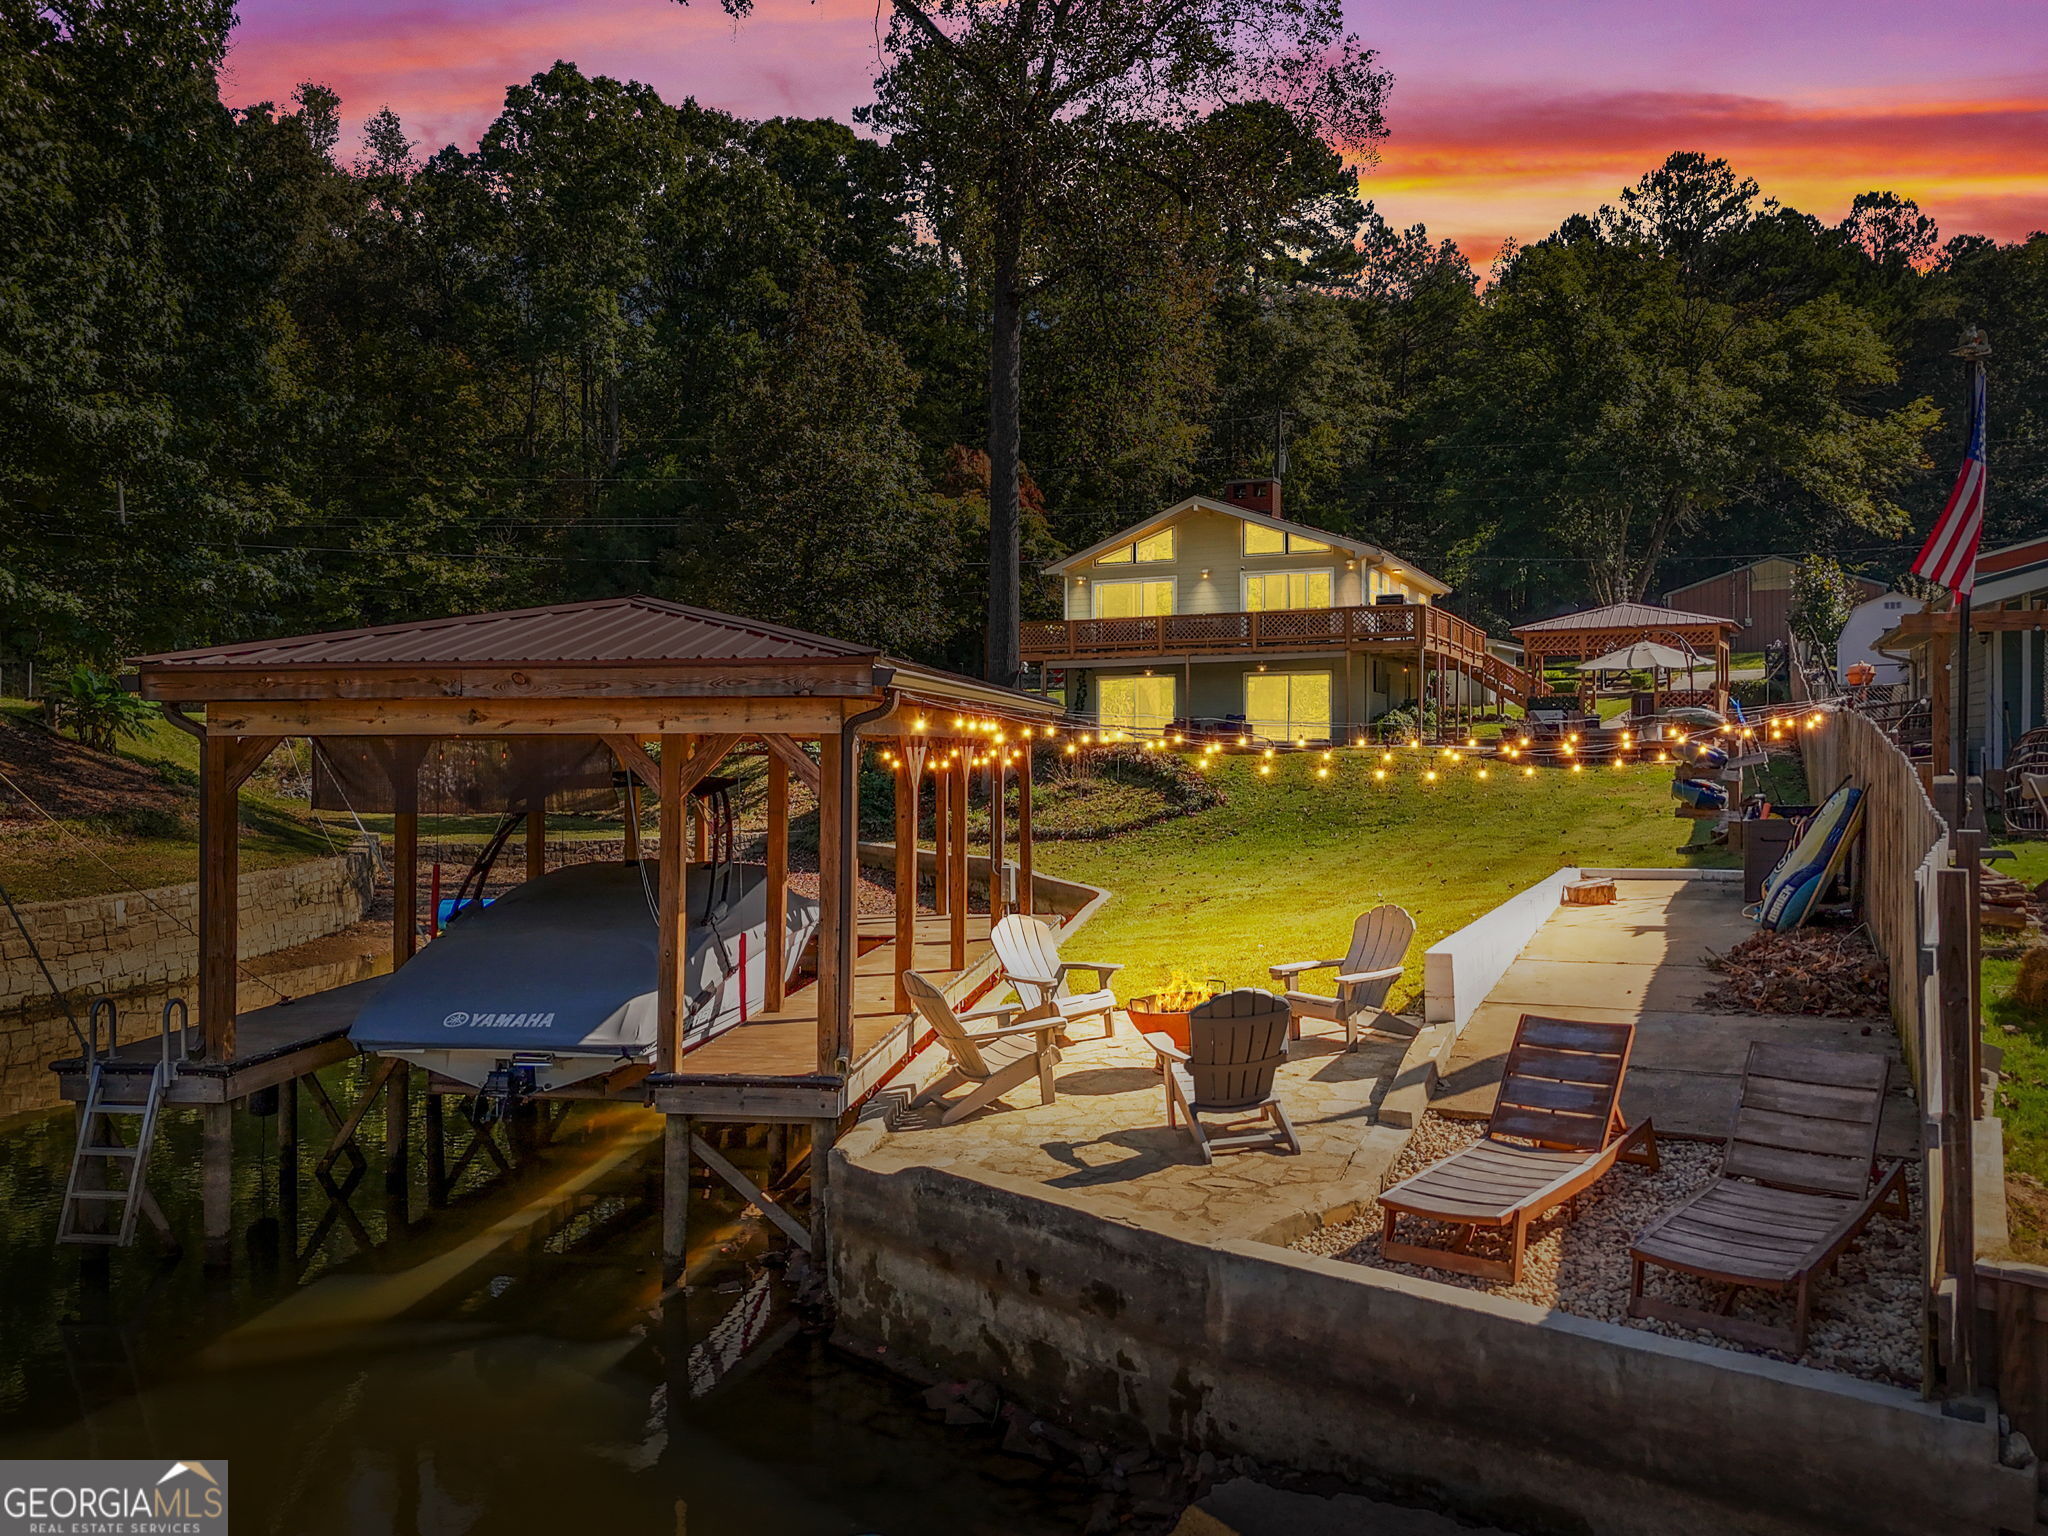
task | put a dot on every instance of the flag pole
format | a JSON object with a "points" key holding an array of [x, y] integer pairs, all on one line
{"points": [[1974, 350]]}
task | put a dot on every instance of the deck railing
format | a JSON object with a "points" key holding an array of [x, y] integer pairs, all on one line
{"points": [[1448, 637]]}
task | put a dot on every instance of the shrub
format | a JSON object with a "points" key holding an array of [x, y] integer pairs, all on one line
{"points": [[95, 707]]}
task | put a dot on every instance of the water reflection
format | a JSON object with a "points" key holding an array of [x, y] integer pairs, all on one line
{"points": [[503, 1366]]}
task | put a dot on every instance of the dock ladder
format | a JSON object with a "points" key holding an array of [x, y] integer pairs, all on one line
{"points": [[102, 1146]]}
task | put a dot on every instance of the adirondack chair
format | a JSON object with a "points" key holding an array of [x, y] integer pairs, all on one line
{"points": [[1236, 1042], [1555, 1131], [1795, 1189], [1028, 949], [1365, 975], [994, 1061]]}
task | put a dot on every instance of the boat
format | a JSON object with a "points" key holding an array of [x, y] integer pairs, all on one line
{"points": [[555, 981]]}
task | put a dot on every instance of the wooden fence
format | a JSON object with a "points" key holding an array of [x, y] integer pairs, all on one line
{"points": [[1904, 841]]}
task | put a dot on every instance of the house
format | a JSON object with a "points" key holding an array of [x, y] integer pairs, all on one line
{"points": [[2008, 658], [1868, 622], [1220, 613], [1758, 596]]}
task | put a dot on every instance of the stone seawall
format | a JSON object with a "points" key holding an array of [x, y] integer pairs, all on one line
{"points": [[138, 939]]}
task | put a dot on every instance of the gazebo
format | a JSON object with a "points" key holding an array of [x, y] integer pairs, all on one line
{"points": [[667, 693], [1595, 632]]}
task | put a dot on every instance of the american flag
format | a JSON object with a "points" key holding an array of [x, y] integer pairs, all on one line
{"points": [[1950, 554]]}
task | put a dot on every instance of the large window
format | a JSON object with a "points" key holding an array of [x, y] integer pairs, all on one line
{"points": [[1136, 703], [1132, 599], [1286, 589], [1150, 550], [1261, 540], [1286, 705]]}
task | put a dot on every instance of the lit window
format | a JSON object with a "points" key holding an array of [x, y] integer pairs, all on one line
{"points": [[1261, 540], [1118, 556], [1286, 589], [1136, 703], [1132, 599], [1158, 546], [1287, 705]]}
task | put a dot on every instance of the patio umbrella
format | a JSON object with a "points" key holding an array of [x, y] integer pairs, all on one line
{"points": [[1641, 656]]}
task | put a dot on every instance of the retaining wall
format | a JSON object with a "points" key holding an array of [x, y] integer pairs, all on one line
{"points": [[1540, 1421], [137, 939]]}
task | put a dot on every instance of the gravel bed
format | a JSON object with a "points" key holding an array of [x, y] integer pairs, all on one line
{"points": [[1866, 1311]]}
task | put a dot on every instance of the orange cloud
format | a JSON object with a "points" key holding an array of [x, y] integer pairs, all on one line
{"points": [[1478, 167]]}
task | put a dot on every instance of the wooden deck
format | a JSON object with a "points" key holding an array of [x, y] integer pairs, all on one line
{"points": [[763, 1069], [766, 1069], [272, 1045]]}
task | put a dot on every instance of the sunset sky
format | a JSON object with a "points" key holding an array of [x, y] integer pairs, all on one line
{"points": [[1506, 114]]}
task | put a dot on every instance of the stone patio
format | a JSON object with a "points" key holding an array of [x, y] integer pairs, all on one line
{"points": [[1106, 1139]]}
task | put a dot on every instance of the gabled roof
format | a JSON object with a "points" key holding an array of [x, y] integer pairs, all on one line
{"points": [[1358, 547], [1671, 592], [611, 629], [1625, 616]]}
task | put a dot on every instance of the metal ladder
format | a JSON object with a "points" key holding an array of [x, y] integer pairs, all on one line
{"points": [[100, 1148]]}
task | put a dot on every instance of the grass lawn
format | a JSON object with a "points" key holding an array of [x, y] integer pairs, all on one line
{"points": [[127, 820], [1283, 867], [2023, 1083]]}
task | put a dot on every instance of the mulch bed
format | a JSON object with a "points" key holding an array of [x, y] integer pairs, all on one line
{"points": [[1836, 973]]}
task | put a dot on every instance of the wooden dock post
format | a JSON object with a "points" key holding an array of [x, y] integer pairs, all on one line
{"points": [[778, 882], [288, 1164], [675, 1198], [398, 1152], [957, 876], [673, 984], [224, 763], [998, 827], [908, 773], [536, 843], [217, 1183], [1024, 866], [942, 859], [834, 920], [437, 1151], [823, 1134]]}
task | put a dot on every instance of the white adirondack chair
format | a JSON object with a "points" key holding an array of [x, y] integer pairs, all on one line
{"points": [[993, 1060], [1365, 975], [1028, 949]]}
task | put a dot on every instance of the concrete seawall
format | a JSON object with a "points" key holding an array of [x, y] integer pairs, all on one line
{"points": [[1537, 1420]]}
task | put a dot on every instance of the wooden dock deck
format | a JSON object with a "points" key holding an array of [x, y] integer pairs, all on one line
{"points": [[765, 1068], [273, 1045]]}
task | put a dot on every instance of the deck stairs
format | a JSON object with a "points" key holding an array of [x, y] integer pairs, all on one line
{"points": [[108, 1186]]}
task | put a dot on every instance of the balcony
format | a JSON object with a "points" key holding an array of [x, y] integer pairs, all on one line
{"points": [[1223, 634], [1406, 626]]}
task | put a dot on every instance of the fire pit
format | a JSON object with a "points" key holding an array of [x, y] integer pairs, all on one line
{"points": [[1165, 1012]]}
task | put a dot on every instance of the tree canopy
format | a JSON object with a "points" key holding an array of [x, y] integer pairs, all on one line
{"points": [[251, 382]]}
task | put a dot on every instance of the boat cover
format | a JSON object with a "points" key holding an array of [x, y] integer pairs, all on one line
{"points": [[566, 964]]}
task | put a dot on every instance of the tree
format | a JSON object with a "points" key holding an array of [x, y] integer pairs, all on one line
{"points": [[1007, 105], [1634, 377], [1822, 597]]}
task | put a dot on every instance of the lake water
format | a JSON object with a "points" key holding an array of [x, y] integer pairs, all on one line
{"points": [[504, 1367]]}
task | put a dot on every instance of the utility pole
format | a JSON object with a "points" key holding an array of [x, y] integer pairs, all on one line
{"points": [[1974, 351]]}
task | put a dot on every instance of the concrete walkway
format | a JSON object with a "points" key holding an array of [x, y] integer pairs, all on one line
{"points": [[1642, 960], [1106, 1139]]}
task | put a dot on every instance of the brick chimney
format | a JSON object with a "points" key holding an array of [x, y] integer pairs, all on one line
{"points": [[1254, 495]]}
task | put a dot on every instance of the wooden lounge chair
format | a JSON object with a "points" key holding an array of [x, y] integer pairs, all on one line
{"points": [[1365, 975], [1796, 1187], [1555, 1131], [1028, 949], [1236, 1042], [994, 1060]]}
